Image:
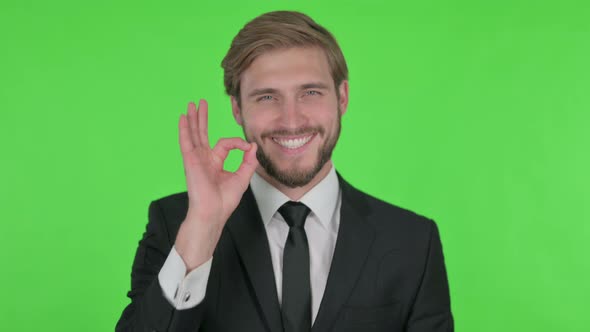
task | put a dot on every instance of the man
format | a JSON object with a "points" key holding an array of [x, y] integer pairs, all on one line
{"points": [[284, 243]]}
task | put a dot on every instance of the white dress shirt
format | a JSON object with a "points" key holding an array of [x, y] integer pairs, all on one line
{"points": [[185, 291]]}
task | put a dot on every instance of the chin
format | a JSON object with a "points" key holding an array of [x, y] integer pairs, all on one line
{"points": [[291, 177], [294, 172]]}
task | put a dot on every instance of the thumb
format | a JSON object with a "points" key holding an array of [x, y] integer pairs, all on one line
{"points": [[248, 165]]}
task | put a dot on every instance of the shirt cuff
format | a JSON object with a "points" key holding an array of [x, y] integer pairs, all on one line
{"points": [[183, 291]]}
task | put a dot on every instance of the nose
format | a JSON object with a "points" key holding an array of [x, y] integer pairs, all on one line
{"points": [[292, 116]]}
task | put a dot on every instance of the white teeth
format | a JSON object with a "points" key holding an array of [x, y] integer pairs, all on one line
{"points": [[292, 143]]}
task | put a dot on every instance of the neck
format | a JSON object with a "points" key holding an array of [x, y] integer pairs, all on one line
{"points": [[296, 193]]}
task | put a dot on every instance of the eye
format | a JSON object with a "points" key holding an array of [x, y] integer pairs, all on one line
{"points": [[265, 98], [312, 93]]}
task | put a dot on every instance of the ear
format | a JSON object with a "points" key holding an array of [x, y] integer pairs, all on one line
{"points": [[343, 101], [235, 109]]}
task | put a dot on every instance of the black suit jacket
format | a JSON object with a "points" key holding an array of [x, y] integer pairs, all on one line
{"points": [[387, 273]]}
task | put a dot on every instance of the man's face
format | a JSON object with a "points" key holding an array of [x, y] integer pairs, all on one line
{"points": [[290, 108]]}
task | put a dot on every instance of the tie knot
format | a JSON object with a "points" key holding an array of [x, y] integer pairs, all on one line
{"points": [[294, 213]]}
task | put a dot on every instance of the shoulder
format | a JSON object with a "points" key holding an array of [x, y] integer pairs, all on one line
{"points": [[170, 209], [398, 230], [386, 213], [178, 201], [389, 220]]}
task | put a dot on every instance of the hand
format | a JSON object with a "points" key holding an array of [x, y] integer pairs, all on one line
{"points": [[213, 192]]}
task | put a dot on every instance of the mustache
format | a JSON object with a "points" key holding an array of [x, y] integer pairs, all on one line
{"points": [[293, 132]]}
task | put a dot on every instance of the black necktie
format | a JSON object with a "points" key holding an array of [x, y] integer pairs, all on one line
{"points": [[296, 303]]}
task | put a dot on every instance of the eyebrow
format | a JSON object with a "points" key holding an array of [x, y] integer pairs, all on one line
{"points": [[318, 85], [264, 91]]}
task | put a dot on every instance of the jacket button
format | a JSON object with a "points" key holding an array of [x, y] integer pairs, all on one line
{"points": [[187, 296]]}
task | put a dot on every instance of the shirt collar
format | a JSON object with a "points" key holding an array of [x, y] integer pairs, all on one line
{"points": [[321, 199]]}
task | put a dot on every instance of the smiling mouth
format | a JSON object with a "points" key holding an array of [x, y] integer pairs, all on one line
{"points": [[293, 143]]}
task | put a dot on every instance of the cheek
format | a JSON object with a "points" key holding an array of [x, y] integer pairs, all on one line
{"points": [[326, 109], [329, 119], [261, 123], [254, 127]]}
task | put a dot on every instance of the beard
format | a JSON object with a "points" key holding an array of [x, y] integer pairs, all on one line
{"points": [[297, 177]]}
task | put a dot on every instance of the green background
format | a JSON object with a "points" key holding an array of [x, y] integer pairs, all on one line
{"points": [[474, 113]]}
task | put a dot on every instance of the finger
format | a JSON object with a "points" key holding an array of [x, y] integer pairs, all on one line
{"points": [[186, 143], [193, 125], [225, 145], [249, 164], [203, 122]]}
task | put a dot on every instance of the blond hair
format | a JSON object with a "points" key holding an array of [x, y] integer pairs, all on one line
{"points": [[279, 30]]}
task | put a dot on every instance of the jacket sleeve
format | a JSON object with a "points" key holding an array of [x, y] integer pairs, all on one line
{"points": [[149, 309], [431, 311]]}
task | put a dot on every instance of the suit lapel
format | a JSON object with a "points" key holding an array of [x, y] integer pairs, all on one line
{"points": [[247, 230], [355, 237]]}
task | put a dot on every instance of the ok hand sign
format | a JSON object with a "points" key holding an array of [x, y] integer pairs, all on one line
{"points": [[213, 192]]}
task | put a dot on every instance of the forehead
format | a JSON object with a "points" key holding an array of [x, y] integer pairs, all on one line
{"points": [[287, 69]]}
